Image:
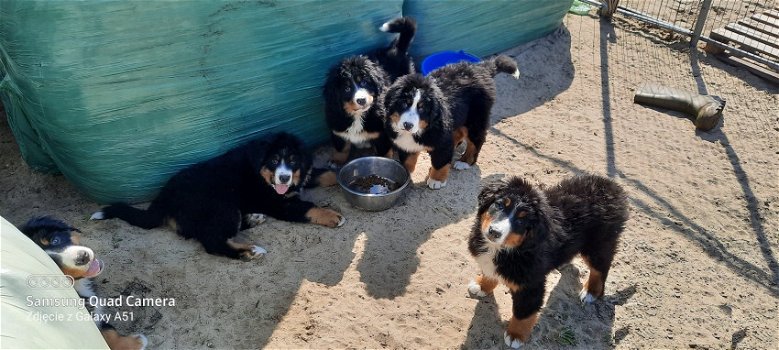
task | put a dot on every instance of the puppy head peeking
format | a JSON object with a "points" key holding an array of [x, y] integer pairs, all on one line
{"points": [[61, 243]]}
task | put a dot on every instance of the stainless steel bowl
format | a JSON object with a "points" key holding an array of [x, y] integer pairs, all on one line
{"points": [[366, 166]]}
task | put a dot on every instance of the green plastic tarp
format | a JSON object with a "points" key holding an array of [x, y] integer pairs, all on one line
{"points": [[119, 95]]}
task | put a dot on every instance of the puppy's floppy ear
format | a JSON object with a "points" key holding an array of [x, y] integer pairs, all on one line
{"points": [[437, 104], [488, 193], [46, 223], [542, 222], [390, 95], [305, 160], [255, 153], [379, 79]]}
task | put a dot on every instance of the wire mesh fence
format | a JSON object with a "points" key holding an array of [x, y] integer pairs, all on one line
{"points": [[741, 32]]}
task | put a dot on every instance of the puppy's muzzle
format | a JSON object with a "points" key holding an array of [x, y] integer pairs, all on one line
{"points": [[493, 234], [82, 258]]}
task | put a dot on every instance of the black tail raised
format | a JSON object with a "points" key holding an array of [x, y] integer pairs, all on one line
{"points": [[407, 27], [502, 64], [147, 219]]}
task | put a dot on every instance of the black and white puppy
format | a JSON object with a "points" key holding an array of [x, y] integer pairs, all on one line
{"points": [[353, 90], [450, 106], [522, 233], [214, 199], [62, 243]]}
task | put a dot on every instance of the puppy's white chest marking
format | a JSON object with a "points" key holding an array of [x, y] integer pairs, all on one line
{"points": [[356, 134], [487, 264], [405, 141], [84, 289]]}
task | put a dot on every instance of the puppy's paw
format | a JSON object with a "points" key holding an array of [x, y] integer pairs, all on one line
{"points": [[254, 219], [511, 342], [129, 342], [325, 217], [475, 289], [98, 215], [586, 297], [461, 165], [141, 341], [253, 252], [435, 184]]}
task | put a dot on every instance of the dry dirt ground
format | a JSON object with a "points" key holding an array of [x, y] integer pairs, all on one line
{"points": [[697, 264]]}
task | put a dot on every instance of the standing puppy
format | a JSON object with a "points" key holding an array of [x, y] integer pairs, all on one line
{"points": [[353, 90], [435, 113], [521, 234]]}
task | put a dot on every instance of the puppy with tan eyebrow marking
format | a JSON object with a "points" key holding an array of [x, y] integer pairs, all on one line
{"points": [[213, 200], [522, 233], [353, 91], [449, 107]]}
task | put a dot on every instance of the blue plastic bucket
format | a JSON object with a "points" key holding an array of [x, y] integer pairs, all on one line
{"points": [[440, 59]]}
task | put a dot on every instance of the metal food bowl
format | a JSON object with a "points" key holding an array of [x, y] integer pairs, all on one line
{"points": [[366, 166]]}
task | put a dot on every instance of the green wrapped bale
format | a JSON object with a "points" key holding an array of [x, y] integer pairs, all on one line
{"points": [[119, 95], [481, 27]]}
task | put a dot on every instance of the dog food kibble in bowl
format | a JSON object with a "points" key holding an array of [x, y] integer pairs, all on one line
{"points": [[373, 183]]}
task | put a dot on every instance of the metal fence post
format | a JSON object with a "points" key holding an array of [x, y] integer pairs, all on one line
{"points": [[699, 22], [608, 8]]}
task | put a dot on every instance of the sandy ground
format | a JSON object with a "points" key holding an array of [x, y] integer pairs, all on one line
{"points": [[697, 265]]}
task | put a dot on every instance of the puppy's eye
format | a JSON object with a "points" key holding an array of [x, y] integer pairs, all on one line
{"points": [[292, 162], [420, 107], [56, 241], [499, 205], [274, 161], [348, 89]]}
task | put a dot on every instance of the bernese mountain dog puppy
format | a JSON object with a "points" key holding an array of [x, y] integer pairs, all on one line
{"points": [[214, 199], [449, 107], [61, 242], [522, 233], [353, 90]]}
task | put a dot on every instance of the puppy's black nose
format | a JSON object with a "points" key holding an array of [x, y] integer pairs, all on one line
{"points": [[493, 233], [82, 258], [284, 178], [408, 125], [361, 101]]}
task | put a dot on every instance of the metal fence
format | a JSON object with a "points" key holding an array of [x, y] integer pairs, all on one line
{"points": [[741, 32]]}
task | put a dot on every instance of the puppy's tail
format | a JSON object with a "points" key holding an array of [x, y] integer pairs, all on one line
{"points": [[146, 219], [407, 27], [502, 64]]}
